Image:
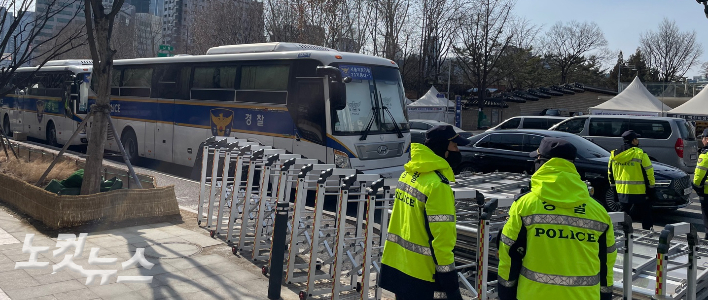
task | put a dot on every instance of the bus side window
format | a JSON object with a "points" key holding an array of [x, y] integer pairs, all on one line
{"points": [[136, 82], [115, 81], [214, 83], [171, 82]]}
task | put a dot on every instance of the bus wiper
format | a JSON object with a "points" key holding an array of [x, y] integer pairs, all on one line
{"points": [[369, 125], [375, 115], [396, 127]]}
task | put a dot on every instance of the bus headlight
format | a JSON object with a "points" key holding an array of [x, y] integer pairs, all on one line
{"points": [[341, 159]]}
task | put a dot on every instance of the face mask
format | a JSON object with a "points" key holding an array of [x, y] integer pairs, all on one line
{"points": [[539, 162], [454, 159]]}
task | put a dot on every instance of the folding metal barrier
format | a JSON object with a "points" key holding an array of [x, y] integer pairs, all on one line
{"points": [[350, 240], [251, 206], [662, 263], [288, 180], [272, 177], [322, 235], [210, 151], [301, 223]]}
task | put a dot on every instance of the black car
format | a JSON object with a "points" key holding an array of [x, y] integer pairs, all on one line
{"points": [[508, 151], [418, 129]]}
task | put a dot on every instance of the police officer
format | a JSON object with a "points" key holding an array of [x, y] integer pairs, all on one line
{"points": [[418, 260], [631, 173], [558, 242], [700, 180]]}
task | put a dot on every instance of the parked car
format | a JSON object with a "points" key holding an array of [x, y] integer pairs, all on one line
{"points": [[667, 140], [528, 122], [418, 128], [554, 112], [508, 151]]}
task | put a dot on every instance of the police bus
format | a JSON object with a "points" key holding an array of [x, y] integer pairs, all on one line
{"points": [[45, 103], [341, 108]]}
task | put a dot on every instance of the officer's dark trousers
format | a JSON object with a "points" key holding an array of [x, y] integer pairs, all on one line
{"points": [[642, 210], [704, 208]]}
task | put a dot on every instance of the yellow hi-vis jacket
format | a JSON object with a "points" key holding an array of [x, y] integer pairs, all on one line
{"points": [[558, 242], [626, 172], [701, 171], [422, 230]]}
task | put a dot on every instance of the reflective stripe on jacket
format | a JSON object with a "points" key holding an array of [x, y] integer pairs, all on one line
{"points": [[422, 230], [627, 171], [701, 171], [558, 242]]}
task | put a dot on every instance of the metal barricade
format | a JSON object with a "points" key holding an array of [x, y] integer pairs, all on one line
{"points": [[322, 236], [271, 175], [255, 191], [301, 224], [213, 150]]}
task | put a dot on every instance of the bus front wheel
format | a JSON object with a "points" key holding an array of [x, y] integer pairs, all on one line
{"points": [[130, 144]]}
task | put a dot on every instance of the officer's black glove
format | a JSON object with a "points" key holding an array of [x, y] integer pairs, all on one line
{"points": [[698, 190], [449, 283], [651, 193]]}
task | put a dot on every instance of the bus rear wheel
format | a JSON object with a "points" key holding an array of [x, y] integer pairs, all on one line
{"points": [[130, 144], [6, 126], [51, 135]]}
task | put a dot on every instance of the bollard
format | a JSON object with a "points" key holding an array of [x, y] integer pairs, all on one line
{"points": [[276, 269]]}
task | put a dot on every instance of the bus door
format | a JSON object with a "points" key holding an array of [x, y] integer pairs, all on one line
{"points": [[310, 117], [16, 111]]}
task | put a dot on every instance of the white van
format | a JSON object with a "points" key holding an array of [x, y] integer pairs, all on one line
{"points": [[528, 122], [666, 140]]}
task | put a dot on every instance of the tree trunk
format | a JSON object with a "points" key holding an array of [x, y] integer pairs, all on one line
{"points": [[102, 109]]}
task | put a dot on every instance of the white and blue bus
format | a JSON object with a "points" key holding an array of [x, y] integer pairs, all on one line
{"points": [[45, 103], [337, 107]]}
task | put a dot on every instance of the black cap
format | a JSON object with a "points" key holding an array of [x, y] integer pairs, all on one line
{"points": [[443, 133], [555, 147], [705, 133], [630, 135]]}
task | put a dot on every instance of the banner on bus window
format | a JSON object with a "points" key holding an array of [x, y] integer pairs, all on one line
{"points": [[356, 72]]}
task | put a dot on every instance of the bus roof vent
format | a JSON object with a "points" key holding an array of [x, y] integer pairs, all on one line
{"points": [[265, 47], [68, 62]]}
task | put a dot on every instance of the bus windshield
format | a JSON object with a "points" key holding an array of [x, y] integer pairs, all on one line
{"points": [[375, 95]]}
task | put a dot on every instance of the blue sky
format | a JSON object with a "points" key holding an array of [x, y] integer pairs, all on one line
{"points": [[623, 21]]}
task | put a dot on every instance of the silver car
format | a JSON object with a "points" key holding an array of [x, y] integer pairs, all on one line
{"points": [[666, 140]]}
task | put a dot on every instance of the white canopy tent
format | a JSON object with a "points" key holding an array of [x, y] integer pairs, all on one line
{"points": [[635, 100], [433, 106], [696, 109]]}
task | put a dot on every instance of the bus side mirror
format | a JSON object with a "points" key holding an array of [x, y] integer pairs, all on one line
{"points": [[336, 85], [337, 95]]}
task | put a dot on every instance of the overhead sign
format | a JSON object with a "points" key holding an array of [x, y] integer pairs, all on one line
{"points": [[165, 48]]}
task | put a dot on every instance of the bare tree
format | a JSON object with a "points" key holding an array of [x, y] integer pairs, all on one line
{"points": [[485, 36], [394, 16], [520, 65], [99, 25], [671, 51], [22, 41], [704, 69], [440, 19], [239, 22], [570, 45]]}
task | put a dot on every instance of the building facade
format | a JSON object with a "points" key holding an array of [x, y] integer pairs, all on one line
{"points": [[149, 34]]}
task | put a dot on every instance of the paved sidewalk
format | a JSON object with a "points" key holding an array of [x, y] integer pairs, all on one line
{"points": [[188, 265]]}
